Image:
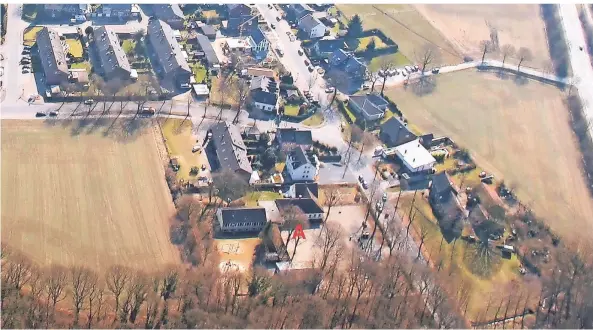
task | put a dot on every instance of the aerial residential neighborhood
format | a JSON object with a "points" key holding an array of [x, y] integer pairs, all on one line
{"points": [[296, 165]]}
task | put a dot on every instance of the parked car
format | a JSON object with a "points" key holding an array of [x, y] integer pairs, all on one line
{"points": [[196, 148], [270, 6], [330, 90], [408, 69], [311, 69], [148, 110], [185, 86], [280, 52], [416, 68], [40, 114], [300, 51], [26, 71], [89, 101], [360, 179], [435, 70], [365, 185], [366, 86], [273, 26], [25, 61], [53, 113], [278, 18], [404, 73], [307, 62]]}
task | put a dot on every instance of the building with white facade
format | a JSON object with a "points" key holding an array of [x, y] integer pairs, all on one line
{"points": [[415, 157], [300, 167]]}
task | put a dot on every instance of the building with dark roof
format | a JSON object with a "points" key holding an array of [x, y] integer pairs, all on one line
{"points": [[294, 137], [304, 190], [294, 12], [299, 166], [231, 152], [445, 204], [205, 46], [347, 62], [123, 11], [239, 14], [171, 63], [114, 61], [208, 31], [394, 133], [66, 10], [370, 106], [171, 14], [264, 93], [52, 56], [309, 206], [247, 219], [327, 46], [259, 43], [312, 27]]}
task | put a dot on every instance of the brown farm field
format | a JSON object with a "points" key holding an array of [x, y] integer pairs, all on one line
{"points": [[518, 131], [81, 192], [404, 25], [466, 25]]}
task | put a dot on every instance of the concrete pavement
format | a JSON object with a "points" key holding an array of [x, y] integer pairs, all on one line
{"points": [[579, 59]]}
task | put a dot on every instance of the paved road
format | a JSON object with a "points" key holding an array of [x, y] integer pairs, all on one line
{"points": [[579, 60]]}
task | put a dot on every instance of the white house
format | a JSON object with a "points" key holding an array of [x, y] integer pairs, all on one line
{"points": [[415, 157], [300, 167], [312, 27]]}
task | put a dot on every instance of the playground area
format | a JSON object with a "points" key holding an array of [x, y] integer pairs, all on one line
{"points": [[236, 254]]}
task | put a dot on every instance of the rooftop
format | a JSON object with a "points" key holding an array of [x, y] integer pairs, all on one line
{"points": [[269, 73], [308, 22], [110, 51], [298, 157], [367, 104], [208, 30], [166, 46], [243, 214], [307, 205], [296, 136], [306, 190], [207, 48], [414, 154], [230, 149], [441, 183], [397, 131], [166, 12], [53, 56]]}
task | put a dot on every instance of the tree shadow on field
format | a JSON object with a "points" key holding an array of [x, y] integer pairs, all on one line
{"points": [[425, 85], [123, 130]]}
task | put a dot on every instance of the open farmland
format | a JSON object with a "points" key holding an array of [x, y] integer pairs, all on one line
{"points": [[86, 192], [404, 25], [467, 25], [520, 131]]}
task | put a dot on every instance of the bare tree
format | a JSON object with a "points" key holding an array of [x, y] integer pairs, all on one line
{"points": [[486, 47], [428, 54], [55, 287], [524, 54], [293, 216], [96, 298], [16, 271], [385, 66], [190, 100], [117, 279], [374, 78], [329, 241], [332, 197], [507, 51], [229, 186], [82, 280], [242, 96]]}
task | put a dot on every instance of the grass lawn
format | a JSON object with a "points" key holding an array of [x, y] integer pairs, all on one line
{"points": [[30, 12], [180, 142], [398, 59], [291, 110], [404, 25], [314, 120], [199, 72], [362, 43], [75, 47], [251, 198], [30, 35], [129, 46], [81, 65], [521, 134], [452, 257], [279, 167], [94, 208], [230, 94]]}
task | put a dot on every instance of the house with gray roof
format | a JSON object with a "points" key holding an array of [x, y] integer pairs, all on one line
{"points": [[231, 152], [52, 56], [294, 137], [394, 133], [123, 11], [171, 63], [312, 27], [238, 15], [371, 106], [309, 206], [114, 62], [294, 12], [66, 10], [208, 30], [171, 14], [327, 46], [246, 219], [205, 46], [304, 190], [259, 44], [350, 64], [264, 93]]}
